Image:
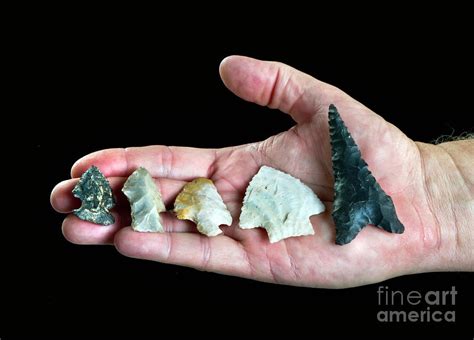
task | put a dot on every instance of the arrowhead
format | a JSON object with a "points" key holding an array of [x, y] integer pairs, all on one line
{"points": [[359, 200], [145, 201], [280, 203], [97, 198], [200, 202]]}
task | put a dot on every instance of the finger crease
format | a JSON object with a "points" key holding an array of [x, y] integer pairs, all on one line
{"points": [[167, 162], [206, 252], [294, 268], [252, 270], [169, 246], [274, 88], [125, 158], [270, 267]]}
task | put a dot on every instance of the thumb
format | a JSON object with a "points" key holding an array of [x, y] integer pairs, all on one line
{"points": [[276, 85]]}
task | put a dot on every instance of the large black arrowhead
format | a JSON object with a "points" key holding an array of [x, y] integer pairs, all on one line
{"points": [[358, 198]]}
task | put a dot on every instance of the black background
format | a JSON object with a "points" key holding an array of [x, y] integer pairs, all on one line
{"points": [[148, 82]]}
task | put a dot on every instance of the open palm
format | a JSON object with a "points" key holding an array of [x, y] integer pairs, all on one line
{"points": [[304, 152]]}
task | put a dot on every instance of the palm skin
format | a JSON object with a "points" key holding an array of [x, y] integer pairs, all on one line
{"points": [[304, 152]]}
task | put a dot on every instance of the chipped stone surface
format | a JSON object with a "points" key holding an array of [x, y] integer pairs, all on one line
{"points": [[359, 200], [145, 201], [280, 203], [97, 198], [200, 202]]}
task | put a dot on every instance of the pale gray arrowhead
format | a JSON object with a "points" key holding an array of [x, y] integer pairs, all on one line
{"points": [[280, 203], [145, 201]]}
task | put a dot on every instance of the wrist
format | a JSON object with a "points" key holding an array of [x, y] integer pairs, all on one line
{"points": [[448, 176]]}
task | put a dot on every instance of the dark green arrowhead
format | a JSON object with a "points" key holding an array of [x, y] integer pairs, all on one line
{"points": [[358, 198], [96, 195]]}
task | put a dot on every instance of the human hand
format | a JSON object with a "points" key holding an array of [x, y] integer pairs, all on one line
{"points": [[398, 163]]}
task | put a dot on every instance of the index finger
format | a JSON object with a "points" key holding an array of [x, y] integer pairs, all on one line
{"points": [[181, 163]]}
